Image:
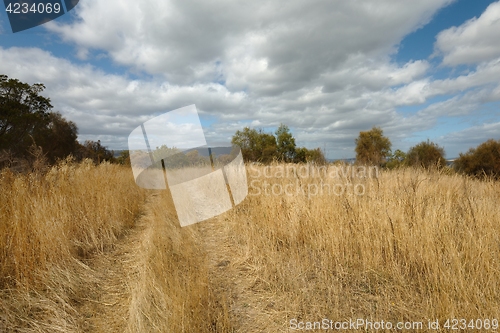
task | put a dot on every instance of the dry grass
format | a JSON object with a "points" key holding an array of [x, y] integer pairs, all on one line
{"points": [[71, 211], [170, 284], [84, 250], [414, 246], [49, 223]]}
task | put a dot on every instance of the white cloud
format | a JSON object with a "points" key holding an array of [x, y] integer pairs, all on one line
{"points": [[470, 137], [474, 41], [266, 47], [109, 104], [322, 67], [466, 104]]}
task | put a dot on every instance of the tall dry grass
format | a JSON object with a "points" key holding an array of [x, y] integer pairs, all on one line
{"points": [[171, 289], [71, 211], [413, 246], [65, 266], [416, 245], [50, 224]]}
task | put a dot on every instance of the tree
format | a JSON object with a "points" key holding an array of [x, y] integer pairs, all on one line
{"points": [[484, 160], [301, 155], [315, 156], [247, 141], [28, 125], [258, 146], [95, 151], [372, 147], [124, 158], [22, 110], [397, 159], [304, 155], [426, 154], [255, 145], [285, 144], [266, 145], [58, 138]]}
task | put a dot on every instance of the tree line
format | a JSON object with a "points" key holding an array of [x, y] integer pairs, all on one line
{"points": [[373, 148], [258, 146], [30, 131]]}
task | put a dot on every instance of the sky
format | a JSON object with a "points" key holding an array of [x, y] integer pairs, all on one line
{"points": [[420, 70]]}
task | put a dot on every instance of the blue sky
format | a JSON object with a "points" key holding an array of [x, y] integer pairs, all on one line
{"points": [[327, 69], [420, 44]]}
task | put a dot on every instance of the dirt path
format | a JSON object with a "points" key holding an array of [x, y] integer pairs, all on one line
{"points": [[231, 278], [108, 297], [157, 278], [103, 301], [153, 273]]}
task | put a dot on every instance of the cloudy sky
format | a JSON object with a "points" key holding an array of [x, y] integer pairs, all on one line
{"points": [[427, 69]]}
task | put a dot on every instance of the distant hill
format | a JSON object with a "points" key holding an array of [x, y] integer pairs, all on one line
{"points": [[346, 160], [203, 151], [116, 153]]}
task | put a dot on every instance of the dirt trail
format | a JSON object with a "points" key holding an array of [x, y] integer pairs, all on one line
{"points": [[104, 299], [231, 278], [124, 291]]}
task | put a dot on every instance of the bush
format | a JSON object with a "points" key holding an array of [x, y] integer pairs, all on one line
{"points": [[397, 160], [372, 147], [484, 160], [426, 154]]}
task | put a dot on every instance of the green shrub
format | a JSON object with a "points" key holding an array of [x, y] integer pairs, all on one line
{"points": [[426, 154], [484, 160]]}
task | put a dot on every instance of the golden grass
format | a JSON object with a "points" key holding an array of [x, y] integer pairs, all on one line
{"points": [[84, 250], [414, 246], [49, 224], [69, 212]]}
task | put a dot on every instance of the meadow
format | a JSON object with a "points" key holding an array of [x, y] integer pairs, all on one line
{"points": [[83, 249]]}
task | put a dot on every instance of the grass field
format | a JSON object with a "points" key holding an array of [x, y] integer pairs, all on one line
{"points": [[82, 249], [415, 246]]}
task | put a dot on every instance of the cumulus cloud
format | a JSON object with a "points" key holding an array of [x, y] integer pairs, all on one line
{"points": [[322, 67], [474, 41], [266, 47], [106, 104], [471, 137]]}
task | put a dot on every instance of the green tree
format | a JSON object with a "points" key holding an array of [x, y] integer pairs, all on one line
{"points": [[301, 155], [266, 145], [255, 145], [315, 156], [396, 160], [304, 155], [124, 158], [58, 138], [258, 146], [426, 154], [22, 111], [285, 144], [95, 151], [372, 147], [247, 141], [484, 160], [27, 124]]}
